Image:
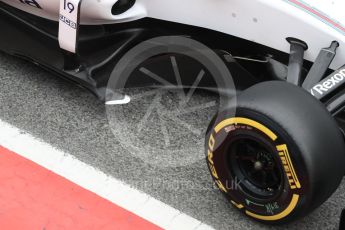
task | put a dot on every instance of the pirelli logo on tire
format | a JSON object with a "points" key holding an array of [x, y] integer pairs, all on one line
{"points": [[288, 167], [213, 170]]}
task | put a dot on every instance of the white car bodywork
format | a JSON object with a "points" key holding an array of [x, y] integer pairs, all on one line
{"points": [[268, 22]]}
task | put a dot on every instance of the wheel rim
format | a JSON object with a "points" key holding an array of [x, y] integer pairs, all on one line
{"points": [[252, 162]]}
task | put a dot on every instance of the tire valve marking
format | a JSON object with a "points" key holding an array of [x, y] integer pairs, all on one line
{"points": [[288, 167]]}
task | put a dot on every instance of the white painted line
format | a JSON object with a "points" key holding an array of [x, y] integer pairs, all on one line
{"points": [[96, 181]]}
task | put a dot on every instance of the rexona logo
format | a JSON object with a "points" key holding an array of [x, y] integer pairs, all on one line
{"points": [[329, 83]]}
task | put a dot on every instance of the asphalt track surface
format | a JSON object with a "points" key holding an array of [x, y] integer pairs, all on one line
{"points": [[71, 119]]}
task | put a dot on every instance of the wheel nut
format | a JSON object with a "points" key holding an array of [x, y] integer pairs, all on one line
{"points": [[258, 165]]}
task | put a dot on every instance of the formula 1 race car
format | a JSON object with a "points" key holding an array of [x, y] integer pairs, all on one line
{"points": [[279, 135]]}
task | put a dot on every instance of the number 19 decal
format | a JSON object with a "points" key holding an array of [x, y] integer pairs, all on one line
{"points": [[68, 6], [69, 24]]}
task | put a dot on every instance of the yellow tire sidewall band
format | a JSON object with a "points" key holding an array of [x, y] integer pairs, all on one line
{"points": [[279, 216], [245, 121]]}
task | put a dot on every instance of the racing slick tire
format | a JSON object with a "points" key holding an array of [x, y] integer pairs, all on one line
{"points": [[280, 156]]}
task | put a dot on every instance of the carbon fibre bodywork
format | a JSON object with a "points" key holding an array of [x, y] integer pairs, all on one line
{"points": [[101, 46]]}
